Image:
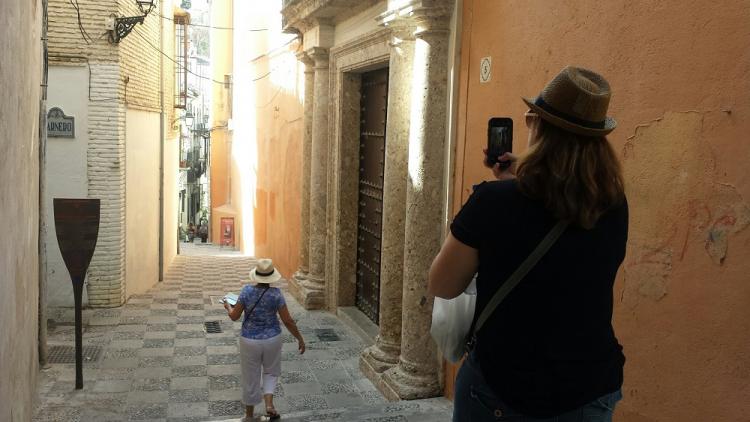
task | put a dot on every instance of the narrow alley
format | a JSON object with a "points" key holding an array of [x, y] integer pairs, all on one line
{"points": [[152, 359]]}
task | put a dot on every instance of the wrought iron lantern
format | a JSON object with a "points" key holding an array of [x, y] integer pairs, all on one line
{"points": [[123, 26]]}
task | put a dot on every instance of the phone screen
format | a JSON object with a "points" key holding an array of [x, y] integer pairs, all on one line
{"points": [[499, 140]]}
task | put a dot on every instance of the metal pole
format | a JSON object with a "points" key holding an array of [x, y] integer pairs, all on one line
{"points": [[77, 294]]}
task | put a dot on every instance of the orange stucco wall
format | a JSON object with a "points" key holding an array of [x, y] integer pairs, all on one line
{"points": [[279, 166], [680, 74], [218, 180]]}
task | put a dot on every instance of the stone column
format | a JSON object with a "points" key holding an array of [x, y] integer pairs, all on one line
{"points": [[304, 247], [416, 375], [385, 352], [312, 290]]}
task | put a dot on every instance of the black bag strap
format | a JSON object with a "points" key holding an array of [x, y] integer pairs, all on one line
{"points": [[520, 273], [257, 301]]}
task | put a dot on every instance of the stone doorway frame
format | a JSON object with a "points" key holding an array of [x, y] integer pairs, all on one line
{"points": [[347, 62]]}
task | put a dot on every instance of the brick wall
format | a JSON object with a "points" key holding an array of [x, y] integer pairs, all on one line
{"points": [[140, 58]]}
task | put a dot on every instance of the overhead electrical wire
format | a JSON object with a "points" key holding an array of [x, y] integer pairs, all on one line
{"points": [[227, 28], [181, 67]]}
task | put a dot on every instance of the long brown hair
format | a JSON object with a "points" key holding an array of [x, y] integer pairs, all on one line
{"points": [[578, 178]]}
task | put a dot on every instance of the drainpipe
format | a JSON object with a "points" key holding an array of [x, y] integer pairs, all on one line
{"points": [[161, 148], [41, 241]]}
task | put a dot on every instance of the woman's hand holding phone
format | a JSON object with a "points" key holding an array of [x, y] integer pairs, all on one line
{"points": [[508, 173]]}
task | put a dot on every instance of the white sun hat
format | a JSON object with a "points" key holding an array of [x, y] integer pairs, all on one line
{"points": [[264, 272]]}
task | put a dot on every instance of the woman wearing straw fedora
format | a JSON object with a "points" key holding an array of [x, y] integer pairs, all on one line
{"points": [[260, 342], [546, 240]]}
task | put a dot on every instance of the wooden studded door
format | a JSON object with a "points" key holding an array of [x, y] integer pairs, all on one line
{"points": [[373, 105]]}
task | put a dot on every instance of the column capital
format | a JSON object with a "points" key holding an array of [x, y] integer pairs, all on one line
{"points": [[319, 55], [417, 18], [303, 58]]}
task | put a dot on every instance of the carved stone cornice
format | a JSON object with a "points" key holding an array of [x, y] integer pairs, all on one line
{"points": [[302, 14]]}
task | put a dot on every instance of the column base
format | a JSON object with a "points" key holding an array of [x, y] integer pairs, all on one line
{"points": [[308, 292], [398, 384], [300, 275], [379, 357]]}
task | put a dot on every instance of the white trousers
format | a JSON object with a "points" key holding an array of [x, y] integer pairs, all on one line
{"points": [[259, 357]]}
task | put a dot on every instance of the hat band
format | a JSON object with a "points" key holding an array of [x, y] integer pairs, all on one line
{"points": [[258, 273], [572, 119]]}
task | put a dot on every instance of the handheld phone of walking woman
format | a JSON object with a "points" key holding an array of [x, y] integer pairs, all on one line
{"points": [[499, 141]]}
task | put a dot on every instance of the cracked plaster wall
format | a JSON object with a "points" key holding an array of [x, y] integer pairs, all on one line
{"points": [[680, 73]]}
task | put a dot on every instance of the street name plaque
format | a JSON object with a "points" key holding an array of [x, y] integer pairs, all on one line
{"points": [[59, 125], [77, 229]]}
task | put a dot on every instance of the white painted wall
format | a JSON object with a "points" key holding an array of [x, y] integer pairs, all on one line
{"points": [[359, 25], [142, 137], [66, 170]]}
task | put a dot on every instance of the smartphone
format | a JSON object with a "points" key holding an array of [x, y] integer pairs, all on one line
{"points": [[499, 141]]}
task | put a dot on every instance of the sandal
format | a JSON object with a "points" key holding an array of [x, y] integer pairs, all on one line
{"points": [[272, 414]]}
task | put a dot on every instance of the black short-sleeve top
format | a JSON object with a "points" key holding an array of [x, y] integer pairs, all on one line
{"points": [[549, 347]]}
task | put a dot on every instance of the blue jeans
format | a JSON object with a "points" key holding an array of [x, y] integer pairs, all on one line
{"points": [[475, 402]]}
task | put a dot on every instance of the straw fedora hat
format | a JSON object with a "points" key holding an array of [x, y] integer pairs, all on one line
{"points": [[575, 100], [264, 272]]}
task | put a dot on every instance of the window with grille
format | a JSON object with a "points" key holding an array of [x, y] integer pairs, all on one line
{"points": [[181, 60]]}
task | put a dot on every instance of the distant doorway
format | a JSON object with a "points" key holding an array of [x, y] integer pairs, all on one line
{"points": [[373, 103]]}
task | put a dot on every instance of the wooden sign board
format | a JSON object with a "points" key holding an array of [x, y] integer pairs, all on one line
{"points": [[77, 229]]}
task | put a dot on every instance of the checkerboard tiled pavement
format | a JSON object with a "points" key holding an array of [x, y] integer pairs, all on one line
{"points": [[159, 364]]}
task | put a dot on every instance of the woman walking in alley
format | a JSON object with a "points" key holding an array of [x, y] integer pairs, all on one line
{"points": [[544, 349], [260, 342]]}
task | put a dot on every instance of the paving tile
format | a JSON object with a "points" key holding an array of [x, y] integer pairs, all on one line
{"points": [[345, 400], [158, 342], [187, 383], [190, 327], [188, 396], [152, 384], [223, 369], [302, 388], [221, 341], [143, 373], [307, 402], [142, 412], [161, 327], [223, 359], [189, 371], [338, 387], [158, 334], [234, 394], [140, 397], [190, 342], [126, 344], [131, 335], [222, 350], [224, 382], [157, 361], [189, 360], [112, 386], [156, 351], [190, 351], [190, 334], [120, 363], [225, 408], [120, 353]]}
